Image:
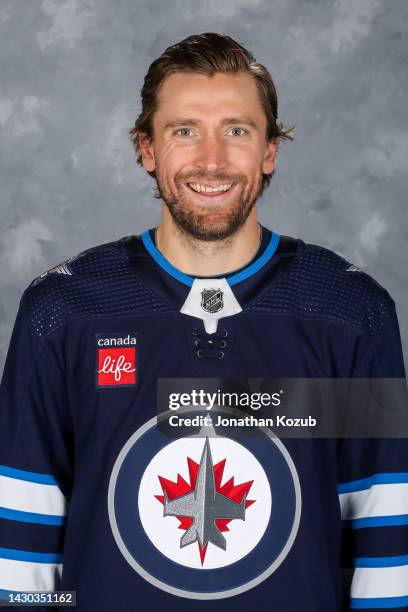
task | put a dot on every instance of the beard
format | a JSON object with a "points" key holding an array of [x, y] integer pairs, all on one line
{"points": [[213, 222]]}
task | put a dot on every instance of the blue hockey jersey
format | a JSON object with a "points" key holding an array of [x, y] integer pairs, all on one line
{"points": [[95, 499]]}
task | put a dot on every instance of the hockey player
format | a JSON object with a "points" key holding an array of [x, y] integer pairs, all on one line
{"points": [[94, 497]]}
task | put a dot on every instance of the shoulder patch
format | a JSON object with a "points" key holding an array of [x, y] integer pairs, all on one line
{"points": [[353, 268], [61, 268]]}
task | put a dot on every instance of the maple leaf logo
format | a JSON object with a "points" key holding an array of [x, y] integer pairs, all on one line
{"points": [[204, 506]]}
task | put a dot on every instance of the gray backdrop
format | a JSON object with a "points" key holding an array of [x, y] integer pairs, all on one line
{"points": [[70, 75]]}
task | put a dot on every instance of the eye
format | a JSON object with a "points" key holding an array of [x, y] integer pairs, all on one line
{"points": [[238, 131], [184, 132]]}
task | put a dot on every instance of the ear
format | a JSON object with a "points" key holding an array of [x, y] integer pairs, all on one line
{"points": [[147, 152], [269, 160]]}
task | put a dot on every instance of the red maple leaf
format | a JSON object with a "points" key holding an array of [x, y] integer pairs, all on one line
{"points": [[182, 487]]}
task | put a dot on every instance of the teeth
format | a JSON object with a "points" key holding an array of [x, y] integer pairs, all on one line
{"points": [[202, 188]]}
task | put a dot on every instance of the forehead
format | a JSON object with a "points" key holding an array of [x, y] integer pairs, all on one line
{"points": [[206, 96]]}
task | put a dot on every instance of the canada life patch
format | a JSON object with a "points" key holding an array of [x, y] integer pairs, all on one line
{"points": [[204, 516], [116, 360]]}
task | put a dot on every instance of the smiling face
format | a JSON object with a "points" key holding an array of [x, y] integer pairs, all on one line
{"points": [[209, 151]]}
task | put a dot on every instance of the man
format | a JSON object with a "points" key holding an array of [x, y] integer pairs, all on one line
{"points": [[94, 497]]}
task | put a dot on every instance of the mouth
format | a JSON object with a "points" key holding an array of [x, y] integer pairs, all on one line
{"points": [[206, 191]]}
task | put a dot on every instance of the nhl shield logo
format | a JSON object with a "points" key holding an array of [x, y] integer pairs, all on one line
{"points": [[193, 516], [212, 300]]}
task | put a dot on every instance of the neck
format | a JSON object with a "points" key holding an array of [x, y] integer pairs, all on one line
{"points": [[201, 258]]}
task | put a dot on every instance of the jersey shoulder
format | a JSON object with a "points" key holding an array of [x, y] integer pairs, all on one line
{"points": [[320, 283], [100, 281]]}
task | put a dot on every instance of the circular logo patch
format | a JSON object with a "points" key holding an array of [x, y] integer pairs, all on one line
{"points": [[194, 512]]}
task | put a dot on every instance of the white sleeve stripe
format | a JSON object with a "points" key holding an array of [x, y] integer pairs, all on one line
{"points": [[380, 582], [25, 496], [379, 500], [27, 576]]}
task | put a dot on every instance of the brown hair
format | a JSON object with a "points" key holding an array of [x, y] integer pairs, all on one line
{"points": [[207, 53]]}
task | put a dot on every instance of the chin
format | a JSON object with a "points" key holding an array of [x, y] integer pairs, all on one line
{"points": [[209, 228]]}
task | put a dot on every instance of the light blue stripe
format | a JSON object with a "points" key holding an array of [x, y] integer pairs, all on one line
{"points": [[376, 479], [378, 602], [31, 517], [377, 521], [26, 555], [232, 280], [254, 267], [163, 262], [10, 472], [396, 561]]}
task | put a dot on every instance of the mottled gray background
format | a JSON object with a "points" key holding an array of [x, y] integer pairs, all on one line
{"points": [[70, 75]]}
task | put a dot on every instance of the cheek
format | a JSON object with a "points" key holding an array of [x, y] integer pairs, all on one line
{"points": [[173, 159], [247, 160]]}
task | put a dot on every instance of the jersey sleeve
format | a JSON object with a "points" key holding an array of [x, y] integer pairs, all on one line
{"points": [[35, 464], [373, 495]]}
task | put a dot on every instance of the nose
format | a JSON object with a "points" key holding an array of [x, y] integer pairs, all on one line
{"points": [[211, 155]]}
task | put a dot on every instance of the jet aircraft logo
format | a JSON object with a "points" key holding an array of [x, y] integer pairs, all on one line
{"points": [[204, 506]]}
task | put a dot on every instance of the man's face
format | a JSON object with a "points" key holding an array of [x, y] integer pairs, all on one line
{"points": [[209, 151]]}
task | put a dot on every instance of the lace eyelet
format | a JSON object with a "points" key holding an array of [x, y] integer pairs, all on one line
{"points": [[224, 333], [199, 353], [221, 355], [196, 343], [195, 332], [223, 344]]}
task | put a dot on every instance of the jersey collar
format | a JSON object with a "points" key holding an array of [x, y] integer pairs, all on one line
{"points": [[232, 280]]}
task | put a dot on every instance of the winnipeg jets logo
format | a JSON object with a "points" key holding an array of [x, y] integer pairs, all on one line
{"points": [[212, 300], [207, 508], [193, 516]]}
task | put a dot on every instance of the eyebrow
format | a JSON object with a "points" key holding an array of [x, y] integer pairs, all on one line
{"points": [[195, 122], [239, 120]]}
